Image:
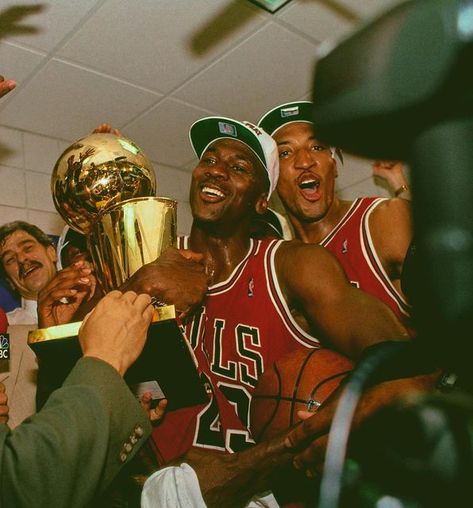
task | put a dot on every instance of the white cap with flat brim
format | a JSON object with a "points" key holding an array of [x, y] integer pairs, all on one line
{"points": [[212, 128]]}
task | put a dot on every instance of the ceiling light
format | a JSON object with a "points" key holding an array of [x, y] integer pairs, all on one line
{"points": [[270, 5]]}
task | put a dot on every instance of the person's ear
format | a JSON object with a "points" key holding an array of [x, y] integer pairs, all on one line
{"points": [[262, 203], [51, 252]]}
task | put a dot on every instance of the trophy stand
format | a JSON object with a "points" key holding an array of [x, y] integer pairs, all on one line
{"points": [[166, 355]]}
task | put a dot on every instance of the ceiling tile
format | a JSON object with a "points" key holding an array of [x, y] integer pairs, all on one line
{"points": [[51, 23], [158, 47], [316, 20], [163, 132], [273, 66], [18, 63], [82, 101]]}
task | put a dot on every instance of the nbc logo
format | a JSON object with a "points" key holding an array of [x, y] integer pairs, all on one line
{"points": [[4, 346]]}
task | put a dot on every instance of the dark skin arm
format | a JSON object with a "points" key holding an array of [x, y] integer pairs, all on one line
{"points": [[230, 480], [344, 317], [309, 438], [178, 277], [391, 230], [351, 320]]}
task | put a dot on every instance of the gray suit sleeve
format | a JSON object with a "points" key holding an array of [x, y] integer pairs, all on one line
{"points": [[70, 451]]}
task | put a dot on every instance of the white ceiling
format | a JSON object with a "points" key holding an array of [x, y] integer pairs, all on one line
{"points": [[152, 67]]}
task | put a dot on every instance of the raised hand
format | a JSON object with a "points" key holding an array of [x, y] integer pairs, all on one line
{"points": [[105, 128], [154, 414], [115, 331], [393, 173], [6, 85], [60, 299]]}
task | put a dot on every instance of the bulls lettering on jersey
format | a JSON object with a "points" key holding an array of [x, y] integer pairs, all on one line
{"points": [[244, 327]]}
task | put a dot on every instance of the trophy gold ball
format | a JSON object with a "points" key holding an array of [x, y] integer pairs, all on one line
{"points": [[96, 172], [104, 188]]}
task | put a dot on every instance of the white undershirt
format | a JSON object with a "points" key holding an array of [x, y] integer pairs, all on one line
{"points": [[27, 314]]}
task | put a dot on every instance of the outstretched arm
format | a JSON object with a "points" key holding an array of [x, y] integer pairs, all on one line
{"points": [[391, 231], [392, 172], [230, 480], [91, 426], [309, 438], [341, 315]]}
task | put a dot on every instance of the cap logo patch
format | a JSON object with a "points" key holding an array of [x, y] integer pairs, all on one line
{"points": [[285, 112], [253, 128], [227, 128]]}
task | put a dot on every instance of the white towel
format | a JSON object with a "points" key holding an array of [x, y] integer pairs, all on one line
{"points": [[178, 487]]}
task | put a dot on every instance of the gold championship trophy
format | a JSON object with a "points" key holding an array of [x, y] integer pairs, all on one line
{"points": [[104, 187]]}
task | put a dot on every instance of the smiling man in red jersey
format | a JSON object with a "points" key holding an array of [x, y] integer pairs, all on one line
{"points": [[246, 322], [369, 236]]}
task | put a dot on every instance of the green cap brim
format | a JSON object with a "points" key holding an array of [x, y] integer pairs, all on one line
{"points": [[301, 111], [207, 130]]}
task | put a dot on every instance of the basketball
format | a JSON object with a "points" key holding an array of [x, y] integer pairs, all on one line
{"points": [[301, 380]]}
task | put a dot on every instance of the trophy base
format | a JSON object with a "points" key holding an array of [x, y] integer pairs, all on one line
{"points": [[166, 367]]}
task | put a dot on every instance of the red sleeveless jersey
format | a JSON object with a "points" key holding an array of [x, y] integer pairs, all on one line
{"points": [[244, 327], [350, 241]]}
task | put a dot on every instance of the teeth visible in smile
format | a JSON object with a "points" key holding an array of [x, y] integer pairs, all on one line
{"points": [[309, 184], [28, 271], [213, 192]]}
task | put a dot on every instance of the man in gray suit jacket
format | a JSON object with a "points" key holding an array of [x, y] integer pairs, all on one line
{"points": [[89, 428]]}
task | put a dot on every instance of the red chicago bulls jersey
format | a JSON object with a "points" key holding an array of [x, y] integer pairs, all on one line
{"points": [[351, 243], [244, 327]]}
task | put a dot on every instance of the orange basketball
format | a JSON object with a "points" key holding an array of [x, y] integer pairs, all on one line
{"points": [[303, 379]]}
